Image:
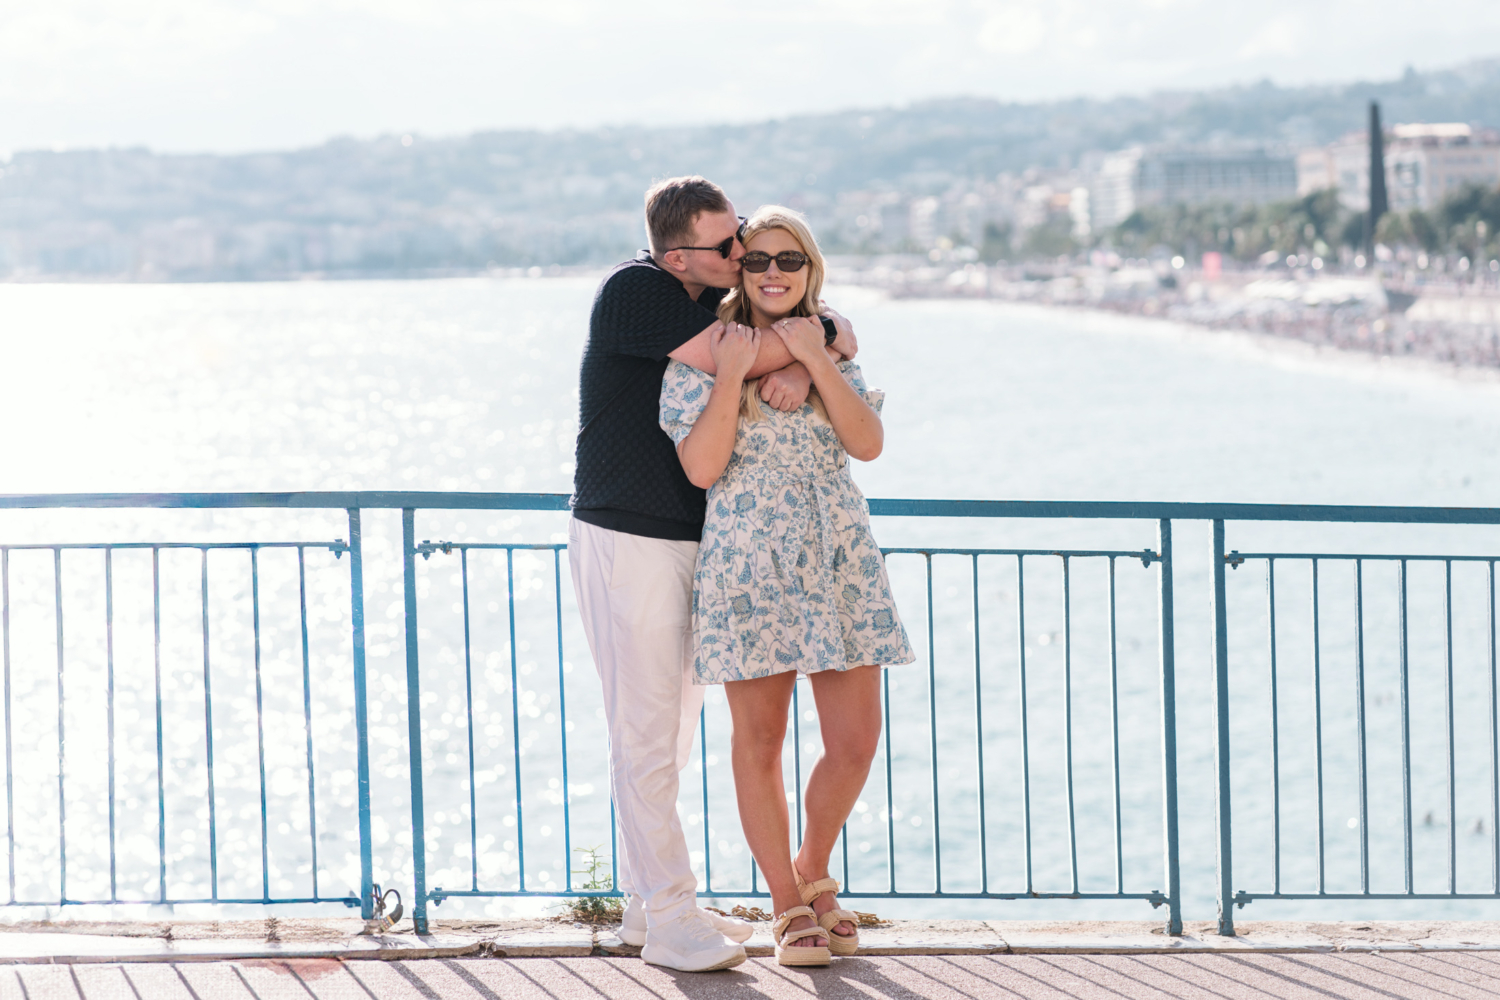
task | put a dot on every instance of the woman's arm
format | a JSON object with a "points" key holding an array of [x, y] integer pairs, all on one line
{"points": [[706, 450], [857, 425]]}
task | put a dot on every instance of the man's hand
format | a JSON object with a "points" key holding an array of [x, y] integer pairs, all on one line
{"points": [[787, 389], [734, 347], [844, 343]]}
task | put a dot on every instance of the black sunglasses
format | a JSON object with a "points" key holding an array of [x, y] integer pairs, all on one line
{"points": [[724, 247], [757, 261]]}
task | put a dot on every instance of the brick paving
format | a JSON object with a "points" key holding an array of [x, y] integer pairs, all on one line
{"points": [[1452, 975]]}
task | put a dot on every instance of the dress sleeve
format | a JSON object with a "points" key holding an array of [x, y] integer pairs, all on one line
{"points": [[684, 395], [856, 378]]}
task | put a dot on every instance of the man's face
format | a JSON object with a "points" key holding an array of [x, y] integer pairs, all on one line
{"points": [[706, 267]]}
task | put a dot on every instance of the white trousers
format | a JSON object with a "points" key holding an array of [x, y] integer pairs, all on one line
{"points": [[635, 595]]}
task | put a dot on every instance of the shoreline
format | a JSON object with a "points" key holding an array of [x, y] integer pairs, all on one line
{"points": [[1153, 316]]}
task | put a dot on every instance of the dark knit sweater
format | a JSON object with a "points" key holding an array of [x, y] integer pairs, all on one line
{"points": [[627, 476]]}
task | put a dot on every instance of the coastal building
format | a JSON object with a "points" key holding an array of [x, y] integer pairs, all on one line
{"points": [[1143, 176], [1424, 163]]}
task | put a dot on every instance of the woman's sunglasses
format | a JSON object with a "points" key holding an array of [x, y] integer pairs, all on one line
{"points": [[757, 261], [724, 247]]}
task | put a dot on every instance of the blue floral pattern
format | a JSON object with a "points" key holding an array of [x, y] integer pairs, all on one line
{"points": [[788, 575]]}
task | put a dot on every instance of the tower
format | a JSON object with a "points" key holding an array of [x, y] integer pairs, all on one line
{"points": [[1378, 202]]}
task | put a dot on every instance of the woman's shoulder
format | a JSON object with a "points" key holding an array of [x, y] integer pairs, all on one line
{"points": [[685, 386], [685, 370], [679, 373]]}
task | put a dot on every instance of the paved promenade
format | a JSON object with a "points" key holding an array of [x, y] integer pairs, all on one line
{"points": [[554, 960], [1439, 976]]}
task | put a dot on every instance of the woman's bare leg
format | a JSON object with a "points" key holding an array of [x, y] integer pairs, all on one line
{"points": [[849, 716], [759, 710]]}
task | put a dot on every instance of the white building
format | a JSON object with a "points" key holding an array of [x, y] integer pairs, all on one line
{"points": [[1424, 163], [1135, 178]]}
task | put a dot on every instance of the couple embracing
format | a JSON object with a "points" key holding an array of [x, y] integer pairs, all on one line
{"points": [[717, 538]]}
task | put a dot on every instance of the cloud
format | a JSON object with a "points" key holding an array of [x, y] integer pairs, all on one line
{"points": [[1016, 29], [1281, 36], [255, 74]]}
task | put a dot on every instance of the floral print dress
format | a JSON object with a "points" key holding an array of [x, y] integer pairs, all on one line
{"points": [[788, 575]]}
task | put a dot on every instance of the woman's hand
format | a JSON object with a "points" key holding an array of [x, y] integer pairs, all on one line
{"points": [[803, 337], [734, 347]]}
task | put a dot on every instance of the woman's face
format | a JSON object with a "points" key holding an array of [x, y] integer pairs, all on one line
{"points": [[775, 292]]}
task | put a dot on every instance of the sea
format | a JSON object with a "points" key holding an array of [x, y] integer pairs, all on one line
{"points": [[471, 385]]}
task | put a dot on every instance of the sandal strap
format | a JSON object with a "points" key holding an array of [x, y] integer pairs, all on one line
{"points": [[779, 927], [834, 917], [790, 937], [812, 890]]}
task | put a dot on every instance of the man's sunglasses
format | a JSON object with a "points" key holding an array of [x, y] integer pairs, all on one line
{"points": [[724, 247], [757, 261]]}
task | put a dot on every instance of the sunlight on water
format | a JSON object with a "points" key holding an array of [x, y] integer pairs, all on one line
{"points": [[470, 385]]}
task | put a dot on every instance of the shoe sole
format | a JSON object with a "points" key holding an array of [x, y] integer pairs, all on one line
{"points": [[728, 963], [636, 939], [843, 945], [795, 955]]}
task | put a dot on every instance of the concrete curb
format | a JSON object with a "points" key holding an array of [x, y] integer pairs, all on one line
{"points": [[537, 939]]}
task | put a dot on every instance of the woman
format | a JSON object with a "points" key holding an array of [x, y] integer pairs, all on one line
{"points": [[788, 580]]}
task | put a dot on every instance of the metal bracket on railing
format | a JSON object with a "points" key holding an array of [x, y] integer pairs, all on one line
{"points": [[1242, 897], [427, 548], [1148, 557], [436, 897], [1157, 898], [338, 548], [1234, 559], [383, 921]]}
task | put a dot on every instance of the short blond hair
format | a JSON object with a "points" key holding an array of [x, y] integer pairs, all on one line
{"points": [[673, 206]]}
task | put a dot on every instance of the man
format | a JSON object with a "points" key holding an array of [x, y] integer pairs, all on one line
{"points": [[633, 540]]}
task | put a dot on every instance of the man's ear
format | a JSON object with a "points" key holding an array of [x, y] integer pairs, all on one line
{"points": [[673, 260]]}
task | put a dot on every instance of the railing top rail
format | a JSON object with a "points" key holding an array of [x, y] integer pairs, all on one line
{"points": [[1061, 509]]}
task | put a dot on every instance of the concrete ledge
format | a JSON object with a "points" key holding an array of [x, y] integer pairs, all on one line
{"points": [[557, 941], [80, 949], [82, 943], [1130, 937]]}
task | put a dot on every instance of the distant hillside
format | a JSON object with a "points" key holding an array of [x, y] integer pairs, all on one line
{"points": [[522, 198]]}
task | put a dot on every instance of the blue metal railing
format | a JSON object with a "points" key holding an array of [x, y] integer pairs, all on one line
{"points": [[1408, 766], [211, 791], [994, 774]]}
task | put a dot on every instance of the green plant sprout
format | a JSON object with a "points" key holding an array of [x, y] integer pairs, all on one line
{"points": [[597, 878]]}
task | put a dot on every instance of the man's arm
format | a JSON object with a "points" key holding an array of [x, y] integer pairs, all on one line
{"points": [[773, 355]]}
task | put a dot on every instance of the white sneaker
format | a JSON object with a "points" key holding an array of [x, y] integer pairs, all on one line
{"points": [[733, 928], [633, 924], [691, 944]]}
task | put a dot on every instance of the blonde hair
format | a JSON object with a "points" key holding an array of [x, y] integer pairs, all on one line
{"points": [[736, 305]]}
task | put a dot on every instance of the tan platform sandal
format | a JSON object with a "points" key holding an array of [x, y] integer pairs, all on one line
{"points": [[839, 944], [786, 952]]}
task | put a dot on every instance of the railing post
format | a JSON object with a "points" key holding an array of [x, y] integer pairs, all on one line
{"points": [[361, 714], [1169, 729], [1225, 866], [414, 722]]}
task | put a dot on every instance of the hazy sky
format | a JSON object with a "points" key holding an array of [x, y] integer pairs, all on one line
{"points": [[253, 74]]}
